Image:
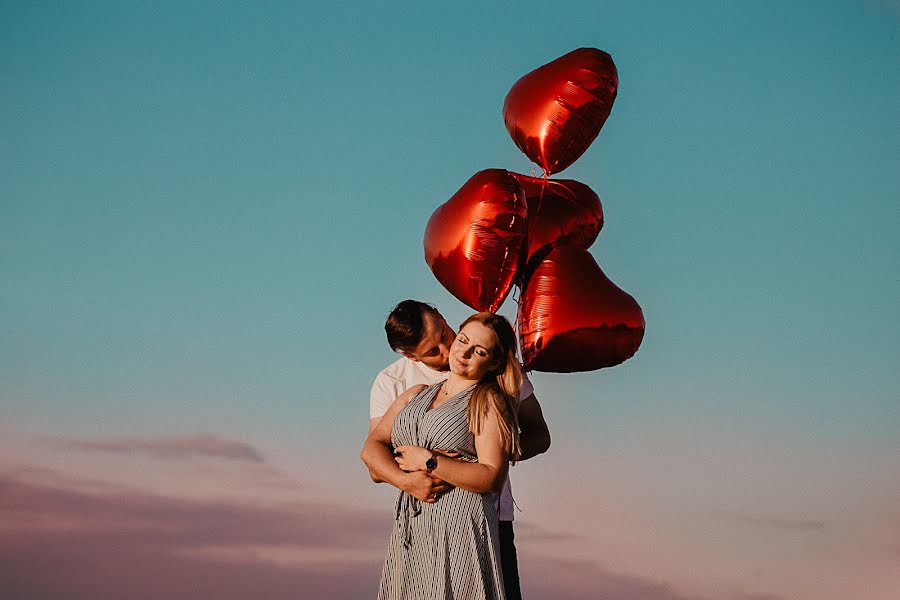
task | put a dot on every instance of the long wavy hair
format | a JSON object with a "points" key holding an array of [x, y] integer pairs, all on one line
{"points": [[499, 390]]}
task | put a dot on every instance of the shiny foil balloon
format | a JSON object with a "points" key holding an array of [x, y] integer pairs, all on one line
{"points": [[573, 318], [560, 212], [555, 112], [473, 242]]}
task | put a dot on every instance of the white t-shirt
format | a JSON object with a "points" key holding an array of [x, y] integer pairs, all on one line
{"points": [[404, 373]]}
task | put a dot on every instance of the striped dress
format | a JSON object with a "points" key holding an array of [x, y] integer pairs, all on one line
{"points": [[449, 549]]}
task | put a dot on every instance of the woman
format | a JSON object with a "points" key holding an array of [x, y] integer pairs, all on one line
{"points": [[446, 546]]}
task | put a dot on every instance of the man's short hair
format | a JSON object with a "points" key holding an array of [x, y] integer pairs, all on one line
{"points": [[405, 326]]}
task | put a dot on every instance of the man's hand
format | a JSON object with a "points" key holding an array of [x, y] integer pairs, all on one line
{"points": [[420, 483], [423, 486], [411, 458]]}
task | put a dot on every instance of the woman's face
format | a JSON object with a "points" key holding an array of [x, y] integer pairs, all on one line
{"points": [[472, 353]]}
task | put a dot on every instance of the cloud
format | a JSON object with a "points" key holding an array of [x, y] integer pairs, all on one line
{"points": [[586, 580], [169, 447], [532, 533], [749, 596], [184, 522], [59, 540], [781, 523]]}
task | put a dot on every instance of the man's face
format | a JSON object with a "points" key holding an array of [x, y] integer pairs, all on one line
{"points": [[433, 350]]}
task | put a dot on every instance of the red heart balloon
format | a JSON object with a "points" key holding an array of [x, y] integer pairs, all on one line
{"points": [[573, 318], [473, 242], [555, 112], [560, 212]]}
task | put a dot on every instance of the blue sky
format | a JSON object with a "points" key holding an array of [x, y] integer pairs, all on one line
{"points": [[208, 211]]}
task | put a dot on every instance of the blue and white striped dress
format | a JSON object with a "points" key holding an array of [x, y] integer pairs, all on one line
{"points": [[449, 549]]}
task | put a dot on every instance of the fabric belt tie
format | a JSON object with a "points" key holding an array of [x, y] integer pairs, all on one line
{"points": [[407, 507]]}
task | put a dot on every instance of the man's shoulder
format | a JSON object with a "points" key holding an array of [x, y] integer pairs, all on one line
{"points": [[395, 371], [390, 382], [407, 373]]}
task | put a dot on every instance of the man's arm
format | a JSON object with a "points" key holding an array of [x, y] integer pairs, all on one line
{"points": [[380, 469], [379, 459], [385, 389], [486, 475], [534, 435]]}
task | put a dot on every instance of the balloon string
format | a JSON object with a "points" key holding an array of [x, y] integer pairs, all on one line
{"points": [[517, 298], [540, 201]]}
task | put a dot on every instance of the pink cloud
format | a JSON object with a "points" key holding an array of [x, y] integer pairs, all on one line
{"points": [[747, 596], [170, 447], [59, 539], [182, 522], [530, 533], [788, 524], [585, 580]]}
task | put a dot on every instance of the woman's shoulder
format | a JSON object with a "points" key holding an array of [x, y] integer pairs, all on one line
{"points": [[411, 393], [415, 389]]}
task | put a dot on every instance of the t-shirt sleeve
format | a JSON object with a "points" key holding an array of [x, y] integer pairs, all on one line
{"points": [[385, 390]]}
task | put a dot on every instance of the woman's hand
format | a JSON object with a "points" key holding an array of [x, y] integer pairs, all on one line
{"points": [[405, 455], [411, 458]]}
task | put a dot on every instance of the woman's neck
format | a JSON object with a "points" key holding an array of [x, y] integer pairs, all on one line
{"points": [[455, 384]]}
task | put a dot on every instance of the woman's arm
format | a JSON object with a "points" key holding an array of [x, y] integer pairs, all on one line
{"points": [[486, 475], [377, 456]]}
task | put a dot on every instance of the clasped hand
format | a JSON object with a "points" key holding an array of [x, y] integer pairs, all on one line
{"points": [[412, 459]]}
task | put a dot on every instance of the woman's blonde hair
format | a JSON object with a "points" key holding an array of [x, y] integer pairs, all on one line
{"points": [[500, 387]]}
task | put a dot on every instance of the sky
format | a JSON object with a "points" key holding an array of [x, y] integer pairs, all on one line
{"points": [[208, 211]]}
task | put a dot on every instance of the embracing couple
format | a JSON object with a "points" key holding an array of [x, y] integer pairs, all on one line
{"points": [[447, 418]]}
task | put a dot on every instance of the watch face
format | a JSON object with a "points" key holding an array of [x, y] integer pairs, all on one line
{"points": [[431, 464]]}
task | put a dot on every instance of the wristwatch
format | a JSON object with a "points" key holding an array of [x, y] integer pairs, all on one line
{"points": [[431, 463]]}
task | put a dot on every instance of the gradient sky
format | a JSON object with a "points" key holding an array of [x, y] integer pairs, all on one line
{"points": [[208, 211]]}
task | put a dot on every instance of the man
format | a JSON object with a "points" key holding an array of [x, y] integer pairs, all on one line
{"points": [[419, 332]]}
